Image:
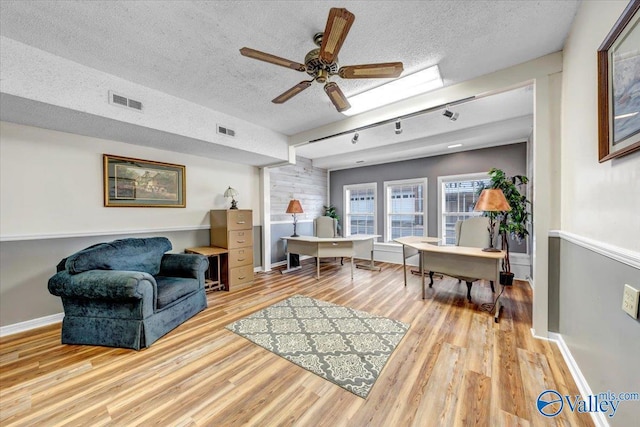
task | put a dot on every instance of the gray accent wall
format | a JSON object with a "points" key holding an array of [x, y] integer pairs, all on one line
{"points": [[585, 299], [279, 230], [510, 158], [27, 265], [257, 246]]}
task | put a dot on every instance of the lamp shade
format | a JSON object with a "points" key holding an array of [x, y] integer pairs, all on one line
{"points": [[294, 207], [230, 192], [492, 200]]}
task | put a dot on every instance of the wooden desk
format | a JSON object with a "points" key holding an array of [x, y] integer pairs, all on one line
{"points": [[461, 262], [323, 247], [212, 252]]}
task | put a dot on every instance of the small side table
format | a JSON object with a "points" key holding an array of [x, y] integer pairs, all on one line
{"points": [[214, 282]]}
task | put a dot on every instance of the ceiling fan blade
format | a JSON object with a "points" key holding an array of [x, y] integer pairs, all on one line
{"points": [[371, 71], [287, 95], [337, 97], [272, 59], [338, 25]]}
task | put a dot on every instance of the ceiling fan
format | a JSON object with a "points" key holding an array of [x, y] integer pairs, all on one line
{"points": [[322, 63]]}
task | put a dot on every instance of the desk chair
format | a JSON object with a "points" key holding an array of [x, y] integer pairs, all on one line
{"points": [[474, 233], [325, 226]]}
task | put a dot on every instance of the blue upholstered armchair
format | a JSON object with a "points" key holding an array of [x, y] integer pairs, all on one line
{"points": [[128, 293]]}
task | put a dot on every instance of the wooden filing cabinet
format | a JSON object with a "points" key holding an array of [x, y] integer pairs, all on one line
{"points": [[233, 229]]}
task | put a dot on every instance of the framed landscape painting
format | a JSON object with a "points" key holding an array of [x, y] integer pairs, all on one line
{"points": [[143, 183], [619, 87]]}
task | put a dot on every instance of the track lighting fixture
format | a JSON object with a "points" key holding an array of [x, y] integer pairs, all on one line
{"points": [[354, 140], [450, 115], [398, 127]]}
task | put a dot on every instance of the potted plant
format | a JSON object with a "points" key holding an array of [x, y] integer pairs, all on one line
{"points": [[512, 224], [330, 211]]}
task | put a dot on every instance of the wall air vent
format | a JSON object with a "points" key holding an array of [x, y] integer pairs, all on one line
{"points": [[123, 101], [226, 131], [135, 104]]}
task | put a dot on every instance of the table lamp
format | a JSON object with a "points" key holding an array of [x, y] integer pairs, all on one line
{"points": [[492, 200], [294, 208], [233, 193]]}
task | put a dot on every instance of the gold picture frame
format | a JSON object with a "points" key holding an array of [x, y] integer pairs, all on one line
{"points": [[619, 87], [130, 182]]}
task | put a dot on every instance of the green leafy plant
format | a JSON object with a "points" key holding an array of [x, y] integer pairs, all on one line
{"points": [[330, 211], [512, 224]]}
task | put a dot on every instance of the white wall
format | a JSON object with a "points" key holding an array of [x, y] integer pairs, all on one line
{"points": [[600, 201], [51, 205], [52, 184]]}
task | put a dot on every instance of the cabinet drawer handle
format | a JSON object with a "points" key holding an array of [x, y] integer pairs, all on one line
{"points": [[241, 277], [240, 259], [240, 222], [240, 241]]}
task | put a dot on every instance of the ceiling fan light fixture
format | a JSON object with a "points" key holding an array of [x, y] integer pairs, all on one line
{"points": [[321, 64], [396, 90]]}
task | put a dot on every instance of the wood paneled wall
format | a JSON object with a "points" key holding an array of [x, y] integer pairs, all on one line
{"points": [[301, 181]]}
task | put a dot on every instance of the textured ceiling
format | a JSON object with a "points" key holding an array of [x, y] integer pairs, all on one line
{"points": [[190, 49]]}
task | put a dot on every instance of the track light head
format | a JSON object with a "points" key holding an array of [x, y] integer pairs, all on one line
{"points": [[451, 115], [354, 140], [398, 127]]}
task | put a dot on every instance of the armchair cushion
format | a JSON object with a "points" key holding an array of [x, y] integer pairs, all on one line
{"points": [[103, 284], [126, 254], [183, 265], [171, 289]]}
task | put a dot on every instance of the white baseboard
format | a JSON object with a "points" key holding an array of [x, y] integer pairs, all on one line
{"points": [[597, 417], [30, 324]]}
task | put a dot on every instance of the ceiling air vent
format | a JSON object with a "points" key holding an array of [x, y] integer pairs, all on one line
{"points": [[226, 131], [123, 101]]}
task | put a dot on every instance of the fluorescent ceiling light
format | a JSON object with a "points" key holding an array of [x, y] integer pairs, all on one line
{"points": [[399, 89], [454, 146]]}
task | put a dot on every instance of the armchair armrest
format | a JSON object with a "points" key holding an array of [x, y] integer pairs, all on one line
{"points": [[104, 284], [184, 265]]}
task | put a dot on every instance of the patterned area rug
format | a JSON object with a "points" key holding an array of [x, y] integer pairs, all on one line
{"points": [[345, 346]]}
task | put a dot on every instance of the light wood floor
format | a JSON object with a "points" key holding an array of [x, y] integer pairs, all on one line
{"points": [[455, 366]]}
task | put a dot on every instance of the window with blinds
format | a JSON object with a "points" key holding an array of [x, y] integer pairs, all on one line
{"points": [[458, 198], [405, 208], [360, 209]]}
